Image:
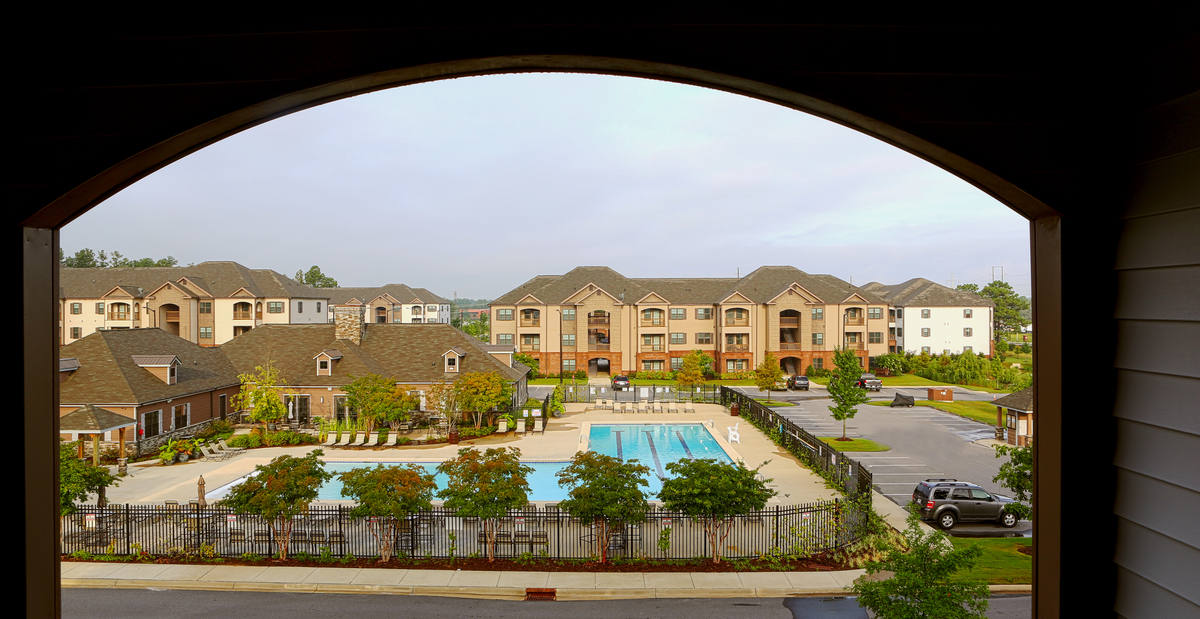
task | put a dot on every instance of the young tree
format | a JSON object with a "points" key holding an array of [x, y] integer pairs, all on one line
{"points": [[710, 492], [1017, 475], [374, 398], [604, 491], [315, 278], [768, 374], [921, 584], [1009, 305], [485, 486], [843, 387], [692, 373], [77, 478], [388, 495], [529, 361], [968, 288], [279, 491], [261, 394], [479, 392]]}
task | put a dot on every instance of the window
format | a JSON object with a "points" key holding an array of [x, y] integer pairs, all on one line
{"points": [[678, 338], [899, 331], [299, 307], [275, 307], [875, 337], [206, 333], [76, 333], [151, 424], [924, 332], [735, 338], [967, 350], [417, 310], [418, 320], [735, 365], [818, 339], [704, 338], [967, 313], [925, 350], [223, 405], [874, 313], [568, 339], [172, 374], [318, 307], [704, 313], [206, 307], [652, 342], [451, 363], [818, 313], [676, 364], [652, 316], [76, 308], [531, 342], [924, 313], [678, 313], [736, 314], [431, 308], [431, 320], [652, 365], [504, 314], [504, 339], [568, 314], [100, 307], [323, 365], [966, 331], [899, 313], [179, 415], [818, 362], [568, 365]]}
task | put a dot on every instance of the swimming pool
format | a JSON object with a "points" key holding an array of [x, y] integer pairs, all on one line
{"points": [[653, 444]]}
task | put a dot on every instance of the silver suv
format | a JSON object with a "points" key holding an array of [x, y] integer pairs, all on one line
{"points": [[949, 501]]}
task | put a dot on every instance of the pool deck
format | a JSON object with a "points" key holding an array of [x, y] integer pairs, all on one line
{"points": [[153, 483]]}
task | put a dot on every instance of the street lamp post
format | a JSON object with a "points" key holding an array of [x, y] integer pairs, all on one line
{"points": [[560, 346]]}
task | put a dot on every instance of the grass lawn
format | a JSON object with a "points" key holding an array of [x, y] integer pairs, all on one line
{"points": [[646, 381], [912, 380], [772, 402], [857, 444], [983, 412], [1001, 563]]}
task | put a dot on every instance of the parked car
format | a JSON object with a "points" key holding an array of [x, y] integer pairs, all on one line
{"points": [[798, 382], [949, 501], [869, 382], [620, 382]]}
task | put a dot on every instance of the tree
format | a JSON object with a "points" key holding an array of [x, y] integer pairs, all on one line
{"points": [[315, 278], [768, 374], [261, 394], [485, 486], [86, 258], [77, 478], [529, 361], [479, 392], [377, 400], [692, 372], [1017, 475], [480, 329], [443, 398], [922, 583], [711, 492], [604, 491], [279, 491], [974, 288], [386, 496], [843, 387], [1009, 305]]}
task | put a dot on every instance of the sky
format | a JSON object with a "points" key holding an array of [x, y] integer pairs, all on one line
{"points": [[474, 185]]}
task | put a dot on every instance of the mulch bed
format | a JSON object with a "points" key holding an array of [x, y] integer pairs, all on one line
{"points": [[1026, 550], [812, 564]]}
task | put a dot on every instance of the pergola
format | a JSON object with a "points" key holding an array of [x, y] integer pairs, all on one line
{"points": [[95, 421]]}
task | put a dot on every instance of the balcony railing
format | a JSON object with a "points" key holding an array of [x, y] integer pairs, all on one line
{"points": [[737, 348], [653, 347], [120, 316], [531, 322], [789, 346], [855, 321], [737, 322], [653, 323], [598, 320], [598, 346], [171, 316], [242, 316], [789, 322], [531, 347], [855, 346]]}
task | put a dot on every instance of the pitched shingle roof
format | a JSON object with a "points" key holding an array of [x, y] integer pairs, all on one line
{"points": [[921, 292], [109, 374], [220, 279], [400, 292], [1021, 400], [92, 419]]}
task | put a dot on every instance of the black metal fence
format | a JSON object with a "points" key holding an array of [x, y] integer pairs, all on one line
{"points": [[541, 532], [667, 392], [848, 473]]}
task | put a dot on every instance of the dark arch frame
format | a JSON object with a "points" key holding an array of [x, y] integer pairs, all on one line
{"points": [[40, 247]]}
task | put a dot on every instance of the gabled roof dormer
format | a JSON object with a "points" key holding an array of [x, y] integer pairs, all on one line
{"points": [[452, 359], [737, 298], [652, 299], [325, 360], [163, 367], [796, 290]]}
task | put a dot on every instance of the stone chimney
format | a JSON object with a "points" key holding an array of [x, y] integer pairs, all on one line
{"points": [[348, 322]]}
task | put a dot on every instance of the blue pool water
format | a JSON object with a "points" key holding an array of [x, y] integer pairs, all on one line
{"points": [[653, 445]]}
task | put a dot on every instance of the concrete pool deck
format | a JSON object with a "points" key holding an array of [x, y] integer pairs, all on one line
{"points": [[150, 483]]}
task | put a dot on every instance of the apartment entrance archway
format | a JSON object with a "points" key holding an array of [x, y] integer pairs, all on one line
{"points": [[598, 368]]}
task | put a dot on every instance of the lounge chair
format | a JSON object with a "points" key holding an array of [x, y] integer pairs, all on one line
{"points": [[226, 447], [658, 407], [623, 410], [672, 406], [331, 439], [734, 436], [393, 436], [211, 454], [689, 406], [345, 440]]}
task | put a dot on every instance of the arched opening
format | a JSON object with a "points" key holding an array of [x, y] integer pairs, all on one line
{"points": [[168, 318], [791, 366], [598, 367], [241, 311], [381, 315]]}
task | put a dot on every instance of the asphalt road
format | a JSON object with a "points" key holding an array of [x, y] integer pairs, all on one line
{"points": [[149, 604]]}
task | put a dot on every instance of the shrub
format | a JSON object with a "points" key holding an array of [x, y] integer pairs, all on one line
{"points": [[469, 432]]}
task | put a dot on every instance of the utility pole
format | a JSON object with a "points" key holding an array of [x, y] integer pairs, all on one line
{"points": [[1001, 273], [951, 280]]}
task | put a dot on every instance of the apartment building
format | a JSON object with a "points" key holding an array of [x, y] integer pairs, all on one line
{"points": [[393, 303], [934, 319], [595, 319], [316, 361], [208, 304]]}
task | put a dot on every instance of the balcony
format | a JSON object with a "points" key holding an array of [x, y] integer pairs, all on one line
{"points": [[653, 347], [531, 347], [737, 348], [598, 346], [855, 321], [531, 322], [789, 346], [171, 316], [120, 316], [789, 322], [240, 316], [855, 346], [737, 322], [598, 320], [654, 323]]}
